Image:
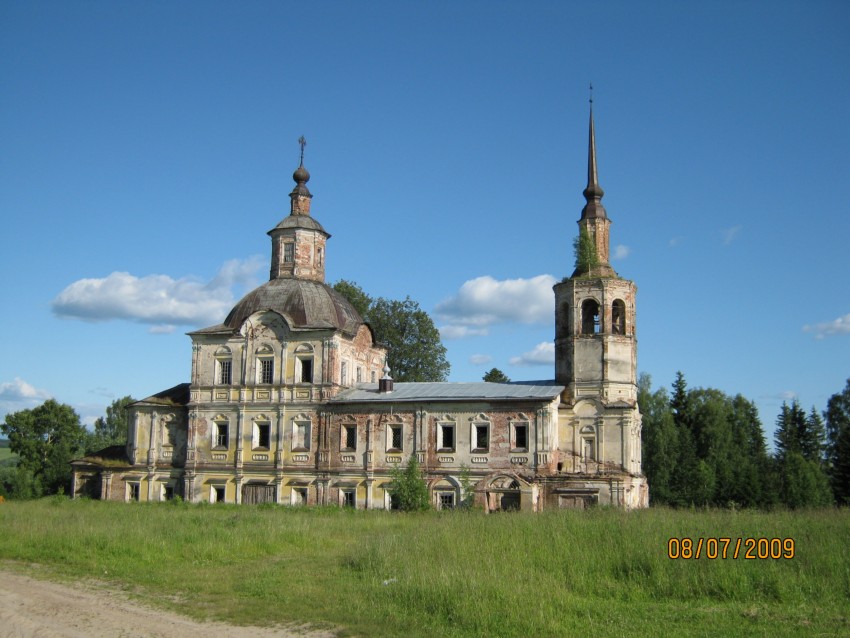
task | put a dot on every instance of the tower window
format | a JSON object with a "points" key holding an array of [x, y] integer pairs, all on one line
{"points": [[266, 370], [590, 317], [288, 253], [220, 436], [618, 317]]}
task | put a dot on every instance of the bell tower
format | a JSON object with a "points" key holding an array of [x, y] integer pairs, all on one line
{"points": [[595, 340]]}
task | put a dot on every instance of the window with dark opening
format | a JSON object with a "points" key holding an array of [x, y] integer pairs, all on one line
{"points": [[447, 500], [306, 371], [218, 493], [168, 492], [348, 498], [262, 435], [447, 437], [220, 435], [521, 436], [288, 253], [133, 491], [395, 437], [349, 437], [482, 438], [590, 317]]}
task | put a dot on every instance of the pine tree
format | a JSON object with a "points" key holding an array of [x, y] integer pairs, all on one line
{"points": [[838, 443], [659, 444]]}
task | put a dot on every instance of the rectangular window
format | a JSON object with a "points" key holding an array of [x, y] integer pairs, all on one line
{"points": [[344, 373], [262, 436], [266, 370], [224, 371], [395, 437], [521, 436], [132, 491], [299, 495], [348, 498], [349, 437], [288, 253], [359, 374], [301, 437], [447, 500], [220, 435], [589, 452], [481, 434], [167, 492], [447, 436], [306, 370], [217, 494]]}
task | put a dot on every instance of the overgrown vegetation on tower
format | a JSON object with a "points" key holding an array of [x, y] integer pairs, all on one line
{"points": [[585, 252]]}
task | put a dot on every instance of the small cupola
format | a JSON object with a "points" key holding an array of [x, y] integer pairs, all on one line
{"points": [[385, 383]]}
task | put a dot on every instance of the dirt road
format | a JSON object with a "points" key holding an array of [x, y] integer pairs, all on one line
{"points": [[31, 608]]}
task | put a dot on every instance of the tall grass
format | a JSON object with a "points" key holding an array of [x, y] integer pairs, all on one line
{"points": [[603, 572]]}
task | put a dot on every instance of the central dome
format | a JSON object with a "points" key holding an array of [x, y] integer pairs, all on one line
{"points": [[304, 303]]}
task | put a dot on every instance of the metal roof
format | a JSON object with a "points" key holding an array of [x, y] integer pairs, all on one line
{"points": [[480, 390]]}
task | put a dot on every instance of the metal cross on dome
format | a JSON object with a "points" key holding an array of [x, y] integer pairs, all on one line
{"points": [[303, 142]]}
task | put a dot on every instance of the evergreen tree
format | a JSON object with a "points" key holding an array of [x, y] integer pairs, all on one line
{"points": [[802, 476], [687, 487], [496, 376], [585, 252], [838, 443], [408, 487], [659, 445]]}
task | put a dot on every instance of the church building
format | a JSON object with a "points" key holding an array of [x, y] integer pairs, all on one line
{"points": [[290, 401]]}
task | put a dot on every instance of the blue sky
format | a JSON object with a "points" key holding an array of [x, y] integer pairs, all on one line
{"points": [[148, 147]]}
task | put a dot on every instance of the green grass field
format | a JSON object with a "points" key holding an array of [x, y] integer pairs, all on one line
{"points": [[601, 572], [5, 455]]}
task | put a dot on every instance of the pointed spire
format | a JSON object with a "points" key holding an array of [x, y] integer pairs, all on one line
{"points": [[593, 193]]}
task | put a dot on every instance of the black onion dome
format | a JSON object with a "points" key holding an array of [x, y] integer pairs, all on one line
{"points": [[301, 175], [304, 303]]}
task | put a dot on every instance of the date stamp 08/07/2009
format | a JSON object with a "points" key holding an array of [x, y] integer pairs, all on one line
{"points": [[726, 548]]}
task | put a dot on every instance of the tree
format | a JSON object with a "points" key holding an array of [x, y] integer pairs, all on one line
{"points": [[45, 439], [408, 488], [803, 480], [111, 430], [414, 349], [355, 296], [838, 443], [585, 252], [496, 376], [660, 442]]}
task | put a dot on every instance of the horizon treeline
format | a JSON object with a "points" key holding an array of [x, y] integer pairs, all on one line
{"points": [[702, 447]]}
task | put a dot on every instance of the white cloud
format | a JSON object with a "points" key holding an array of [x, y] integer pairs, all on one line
{"points": [[459, 332], [840, 326], [157, 299], [485, 301], [20, 390], [542, 354], [480, 359], [731, 234], [621, 252]]}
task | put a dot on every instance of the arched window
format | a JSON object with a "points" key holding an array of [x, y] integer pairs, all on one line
{"points": [[590, 317], [265, 364], [618, 317]]}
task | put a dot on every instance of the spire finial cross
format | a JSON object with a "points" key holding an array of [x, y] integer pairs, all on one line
{"points": [[302, 142]]}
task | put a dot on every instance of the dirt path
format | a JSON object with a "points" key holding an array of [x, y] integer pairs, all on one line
{"points": [[31, 608]]}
